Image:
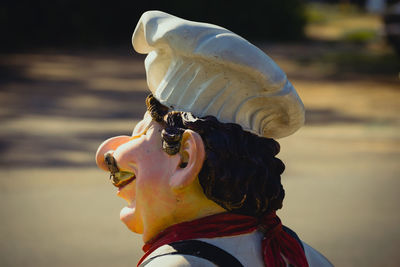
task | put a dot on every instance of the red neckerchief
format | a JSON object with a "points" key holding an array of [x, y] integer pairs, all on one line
{"points": [[275, 244]]}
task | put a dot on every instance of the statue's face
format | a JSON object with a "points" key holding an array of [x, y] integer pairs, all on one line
{"points": [[149, 168]]}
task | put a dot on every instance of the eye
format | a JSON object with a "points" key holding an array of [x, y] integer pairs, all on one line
{"points": [[140, 131], [148, 128], [138, 128]]}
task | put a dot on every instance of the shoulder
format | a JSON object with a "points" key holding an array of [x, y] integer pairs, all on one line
{"points": [[246, 248], [177, 260], [167, 256], [315, 258]]}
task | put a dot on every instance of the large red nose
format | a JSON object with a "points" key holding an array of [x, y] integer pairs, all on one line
{"points": [[110, 144]]}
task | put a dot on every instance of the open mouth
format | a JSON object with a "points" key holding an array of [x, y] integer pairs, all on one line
{"points": [[122, 178]]}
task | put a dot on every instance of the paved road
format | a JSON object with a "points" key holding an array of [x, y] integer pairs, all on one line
{"points": [[342, 178]]}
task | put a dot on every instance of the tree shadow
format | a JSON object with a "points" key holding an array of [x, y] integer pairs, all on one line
{"points": [[28, 103]]}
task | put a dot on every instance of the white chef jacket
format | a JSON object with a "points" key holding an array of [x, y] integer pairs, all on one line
{"points": [[246, 248]]}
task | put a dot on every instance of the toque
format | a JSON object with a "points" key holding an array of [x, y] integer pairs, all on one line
{"points": [[208, 70]]}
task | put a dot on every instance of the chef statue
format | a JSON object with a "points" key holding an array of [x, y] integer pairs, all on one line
{"points": [[200, 172]]}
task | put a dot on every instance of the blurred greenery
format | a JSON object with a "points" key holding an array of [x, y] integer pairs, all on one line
{"points": [[360, 36], [346, 41], [62, 23], [323, 13]]}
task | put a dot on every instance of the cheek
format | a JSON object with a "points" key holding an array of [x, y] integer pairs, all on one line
{"points": [[152, 160], [153, 178]]}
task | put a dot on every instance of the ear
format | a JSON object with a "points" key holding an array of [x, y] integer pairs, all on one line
{"points": [[192, 156]]}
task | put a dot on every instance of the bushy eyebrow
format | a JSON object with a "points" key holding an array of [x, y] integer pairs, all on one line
{"points": [[156, 109]]}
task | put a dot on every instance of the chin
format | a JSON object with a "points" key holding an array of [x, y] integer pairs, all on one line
{"points": [[129, 217]]}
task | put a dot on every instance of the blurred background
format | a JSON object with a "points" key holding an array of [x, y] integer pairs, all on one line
{"points": [[69, 79]]}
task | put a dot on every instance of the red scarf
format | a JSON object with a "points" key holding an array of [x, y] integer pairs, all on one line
{"points": [[275, 244]]}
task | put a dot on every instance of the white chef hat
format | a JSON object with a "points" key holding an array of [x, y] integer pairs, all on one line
{"points": [[208, 70]]}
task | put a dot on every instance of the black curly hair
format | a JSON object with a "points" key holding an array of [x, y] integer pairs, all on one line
{"points": [[240, 171]]}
